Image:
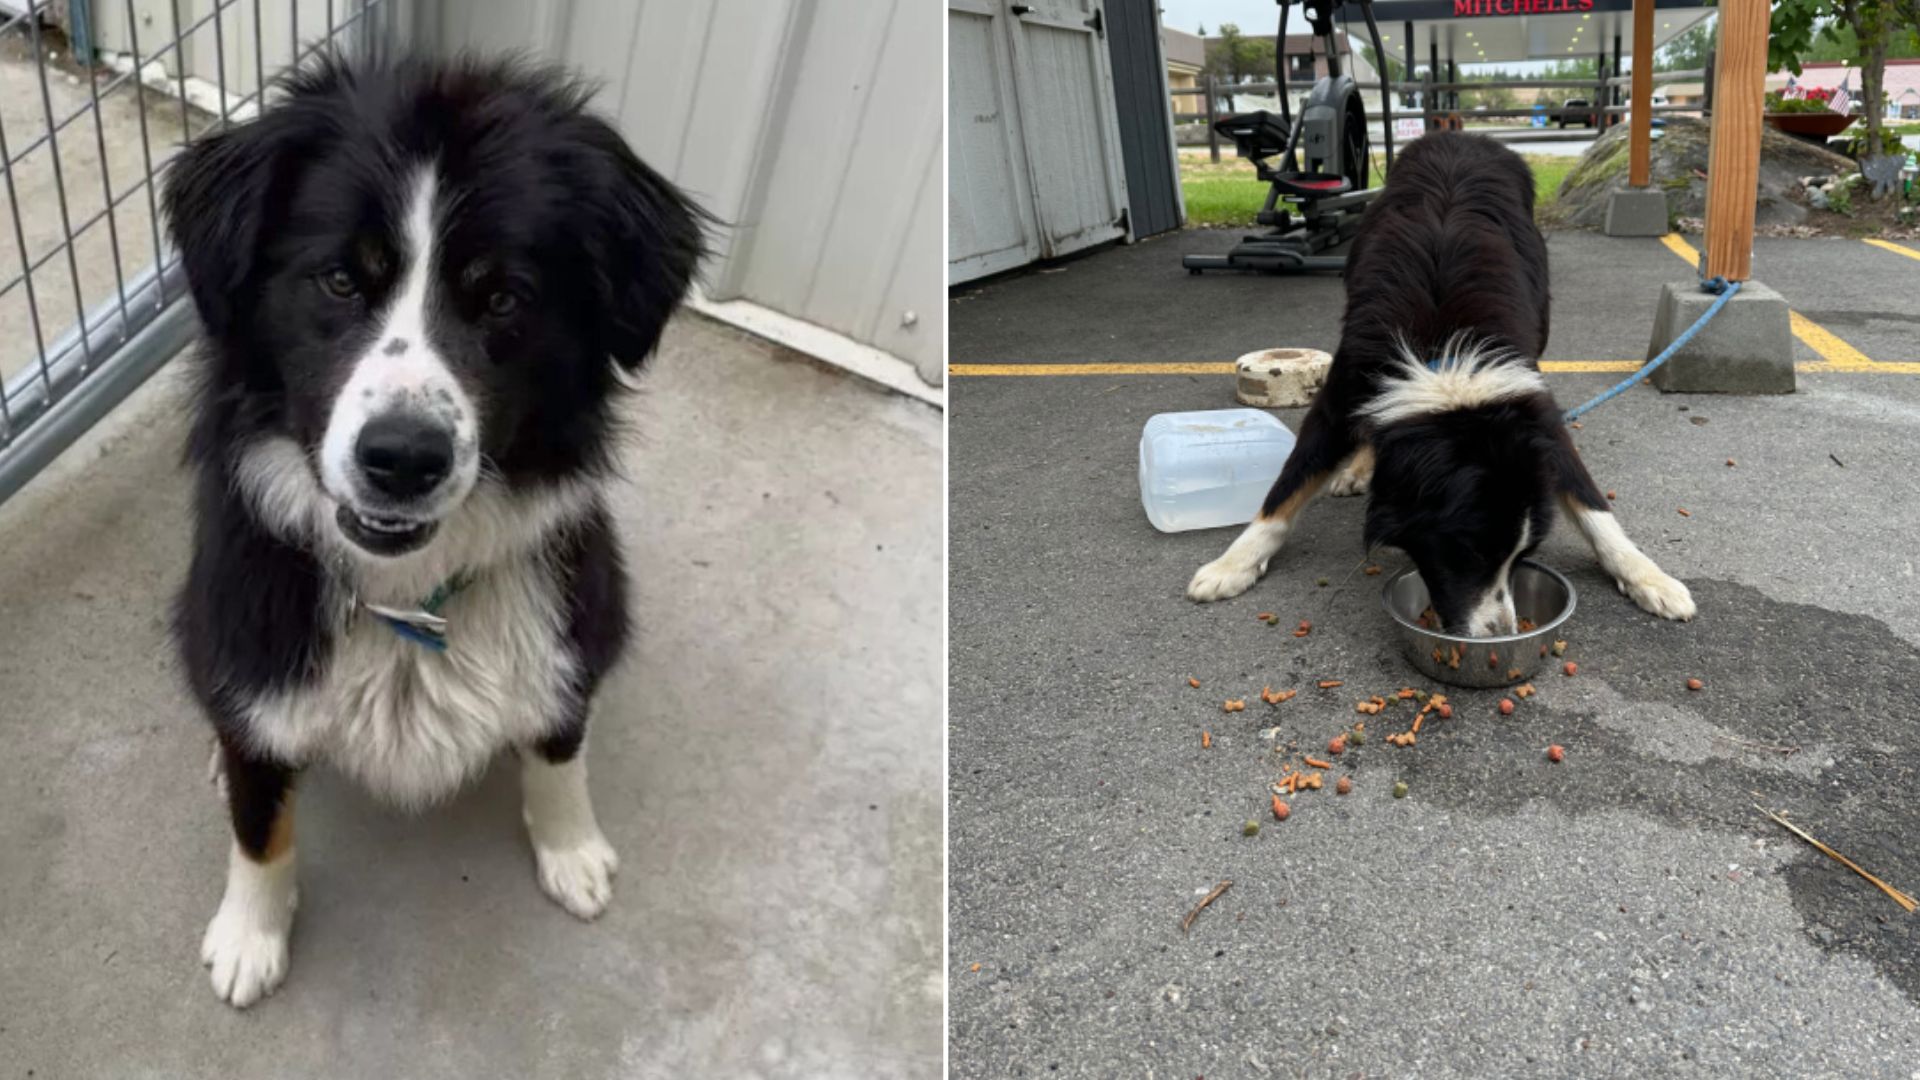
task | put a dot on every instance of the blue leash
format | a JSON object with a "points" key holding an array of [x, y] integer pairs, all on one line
{"points": [[1718, 285]]}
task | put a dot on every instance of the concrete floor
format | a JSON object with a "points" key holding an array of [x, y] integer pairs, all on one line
{"points": [[767, 763], [1626, 912]]}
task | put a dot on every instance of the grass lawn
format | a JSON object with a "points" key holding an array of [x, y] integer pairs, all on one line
{"points": [[1228, 195]]}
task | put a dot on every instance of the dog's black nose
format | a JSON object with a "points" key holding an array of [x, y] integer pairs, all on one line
{"points": [[404, 457]]}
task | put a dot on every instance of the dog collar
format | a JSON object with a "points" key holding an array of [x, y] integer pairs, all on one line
{"points": [[424, 626]]}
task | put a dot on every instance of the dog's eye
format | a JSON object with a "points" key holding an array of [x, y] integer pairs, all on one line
{"points": [[502, 304], [339, 284]]}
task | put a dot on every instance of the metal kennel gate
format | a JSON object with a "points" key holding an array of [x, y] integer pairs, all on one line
{"points": [[132, 66]]}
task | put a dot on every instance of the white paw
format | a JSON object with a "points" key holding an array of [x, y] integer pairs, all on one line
{"points": [[1660, 594], [579, 878], [1349, 482], [1225, 576], [246, 959]]}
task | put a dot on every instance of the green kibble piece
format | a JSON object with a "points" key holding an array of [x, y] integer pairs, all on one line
{"points": [[1399, 792], [1323, 583], [1251, 828], [1356, 738]]}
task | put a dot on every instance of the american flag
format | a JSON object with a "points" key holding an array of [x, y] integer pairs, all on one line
{"points": [[1841, 101], [1793, 89]]}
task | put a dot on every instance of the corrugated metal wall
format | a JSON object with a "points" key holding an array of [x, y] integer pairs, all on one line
{"points": [[812, 126]]}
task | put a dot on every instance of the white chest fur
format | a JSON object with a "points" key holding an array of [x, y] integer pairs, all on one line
{"points": [[413, 724]]}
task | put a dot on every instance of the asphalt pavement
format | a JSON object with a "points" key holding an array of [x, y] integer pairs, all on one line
{"points": [[1626, 911]]}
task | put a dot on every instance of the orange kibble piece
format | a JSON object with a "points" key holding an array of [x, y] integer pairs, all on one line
{"points": [[1446, 711], [1571, 668], [1345, 785], [1729, 463], [1280, 809], [1555, 754], [975, 967], [1683, 512], [1611, 496], [1266, 616], [1695, 684], [1305, 626], [1373, 571], [1195, 683], [1206, 740], [1506, 706], [1233, 705], [1337, 745]]}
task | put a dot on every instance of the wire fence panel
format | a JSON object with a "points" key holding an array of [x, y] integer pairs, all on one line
{"points": [[92, 300]]}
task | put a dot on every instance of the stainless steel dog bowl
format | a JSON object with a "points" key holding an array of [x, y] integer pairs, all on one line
{"points": [[1540, 594]]}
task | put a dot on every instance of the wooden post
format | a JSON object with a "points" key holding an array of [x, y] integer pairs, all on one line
{"points": [[1213, 137], [1640, 138], [1733, 153]]}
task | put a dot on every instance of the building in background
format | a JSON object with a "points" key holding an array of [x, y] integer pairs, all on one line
{"points": [[808, 126], [1186, 57]]}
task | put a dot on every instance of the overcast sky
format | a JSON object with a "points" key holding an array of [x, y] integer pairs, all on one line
{"points": [[1261, 16], [1252, 16]]}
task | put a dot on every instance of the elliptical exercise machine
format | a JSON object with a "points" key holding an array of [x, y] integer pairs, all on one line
{"points": [[1318, 206]]}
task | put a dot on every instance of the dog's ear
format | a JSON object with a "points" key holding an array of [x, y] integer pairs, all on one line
{"points": [[647, 245], [217, 195]]}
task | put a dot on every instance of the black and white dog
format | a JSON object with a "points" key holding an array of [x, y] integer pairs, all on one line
{"points": [[1436, 403], [416, 282]]}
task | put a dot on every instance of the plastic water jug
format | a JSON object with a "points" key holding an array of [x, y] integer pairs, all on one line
{"points": [[1202, 470]]}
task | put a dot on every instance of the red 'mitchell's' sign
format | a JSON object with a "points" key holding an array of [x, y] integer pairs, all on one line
{"points": [[1518, 7]]}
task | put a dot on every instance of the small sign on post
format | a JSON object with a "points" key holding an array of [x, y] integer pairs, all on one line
{"points": [[1406, 128]]}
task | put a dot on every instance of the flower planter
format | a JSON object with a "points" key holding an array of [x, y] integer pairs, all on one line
{"points": [[1816, 125]]}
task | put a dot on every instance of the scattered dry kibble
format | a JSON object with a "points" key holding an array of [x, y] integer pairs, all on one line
{"points": [[1251, 828], [1233, 705], [1729, 463], [1337, 745], [1571, 668], [1280, 809], [1372, 571], [1275, 697], [1524, 691], [1527, 626], [975, 967], [1317, 763], [1206, 740], [1400, 789], [1195, 683], [1683, 512], [1266, 616], [1560, 648], [1323, 582], [1345, 785], [1328, 684], [1611, 496], [1514, 673], [1694, 684], [1556, 753], [1575, 425], [1445, 710], [1313, 781], [1358, 738], [1506, 706]]}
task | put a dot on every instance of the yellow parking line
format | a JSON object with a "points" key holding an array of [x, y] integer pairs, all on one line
{"points": [[1835, 354], [1679, 246], [1202, 368], [961, 370], [1839, 355], [1897, 249]]}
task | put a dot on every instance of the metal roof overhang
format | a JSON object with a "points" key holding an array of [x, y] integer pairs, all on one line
{"points": [[1497, 31]]}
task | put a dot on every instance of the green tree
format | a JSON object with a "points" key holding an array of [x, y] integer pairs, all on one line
{"points": [[1877, 27], [1688, 51], [1233, 57]]}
